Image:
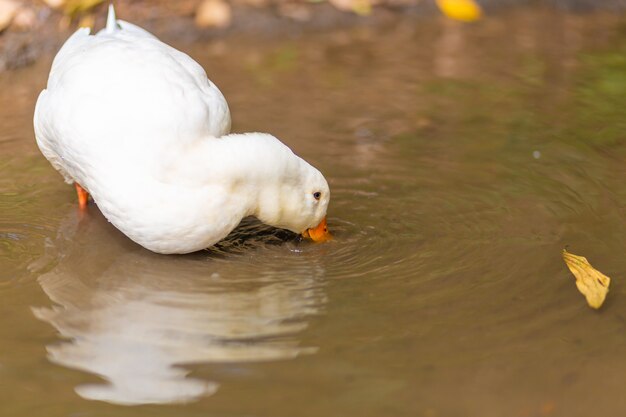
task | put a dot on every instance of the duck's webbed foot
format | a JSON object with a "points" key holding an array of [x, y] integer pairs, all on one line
{"points": [[83, 196]]}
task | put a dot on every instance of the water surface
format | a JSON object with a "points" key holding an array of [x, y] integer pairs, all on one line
{"points": [[461, 158]]}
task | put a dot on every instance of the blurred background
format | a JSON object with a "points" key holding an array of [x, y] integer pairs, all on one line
{"points": [[29, 28]]}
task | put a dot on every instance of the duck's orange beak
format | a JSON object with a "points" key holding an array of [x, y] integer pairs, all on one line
{"points": [[318, 233]]}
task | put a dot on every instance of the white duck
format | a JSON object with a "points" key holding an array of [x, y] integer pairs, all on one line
{"points": [[137, 125]]}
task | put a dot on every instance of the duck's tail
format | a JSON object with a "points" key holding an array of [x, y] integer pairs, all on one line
{"points": [[115, 26], [112, 26]]}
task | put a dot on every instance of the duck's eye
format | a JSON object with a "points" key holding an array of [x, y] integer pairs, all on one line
{"points": [[317, 195]]}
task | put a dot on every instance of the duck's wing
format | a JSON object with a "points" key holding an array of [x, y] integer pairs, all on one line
{"points": [[124, 92], [218, 120], [45, 134]]}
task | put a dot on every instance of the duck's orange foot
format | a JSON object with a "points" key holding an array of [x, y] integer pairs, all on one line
{"points": [[83, 196]]}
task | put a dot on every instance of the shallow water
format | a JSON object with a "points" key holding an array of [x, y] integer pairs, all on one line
{"points": [[461, 158]]}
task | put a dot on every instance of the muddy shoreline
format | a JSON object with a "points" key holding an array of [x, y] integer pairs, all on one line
{"points": [[46, 29], [22, 47]]}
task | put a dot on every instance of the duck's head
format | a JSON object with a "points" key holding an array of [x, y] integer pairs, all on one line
{"points": [[313, 206], [294, 195]]}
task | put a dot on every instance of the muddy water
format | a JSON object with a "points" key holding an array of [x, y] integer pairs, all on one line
{"points": [[462, 159]]}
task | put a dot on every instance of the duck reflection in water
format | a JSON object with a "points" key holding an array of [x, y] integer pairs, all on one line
{"points": [[133, 317]]}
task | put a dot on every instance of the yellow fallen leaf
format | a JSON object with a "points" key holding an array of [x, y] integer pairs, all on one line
{"points": [[87, 21], [593, 284], [74, 7], [464, 10], [360, 7]]}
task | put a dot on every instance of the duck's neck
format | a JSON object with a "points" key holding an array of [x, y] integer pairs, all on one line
{"points": [[266, 171], [256, 170]]}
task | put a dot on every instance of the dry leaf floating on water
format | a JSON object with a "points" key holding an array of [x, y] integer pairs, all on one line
{"points": [[593, 284]]}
